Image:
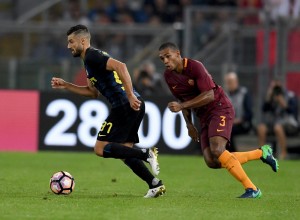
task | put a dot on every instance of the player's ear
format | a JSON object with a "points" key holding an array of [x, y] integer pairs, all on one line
{"points": [[82, 40]]}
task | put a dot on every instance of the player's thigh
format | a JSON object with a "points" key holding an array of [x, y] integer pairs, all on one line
{"points": [[121, 126], [221, 125], [204, 140], [135, 124], [116, 126], [219, 131], [209, 158]]}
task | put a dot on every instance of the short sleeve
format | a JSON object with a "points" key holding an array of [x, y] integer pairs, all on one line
{"points": [[96, 59]]}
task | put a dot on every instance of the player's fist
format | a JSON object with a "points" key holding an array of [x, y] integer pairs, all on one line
{"points": [[175, 106], [134, 102], [58, 83]]}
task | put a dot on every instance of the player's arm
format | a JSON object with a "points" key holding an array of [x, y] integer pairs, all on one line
{"points": [[203, 99], [193, 132], [121, 69], [187, 115], [204, 83], [89, 90]]}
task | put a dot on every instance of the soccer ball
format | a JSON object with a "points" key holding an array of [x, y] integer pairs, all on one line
{"points": [[62, 182]]}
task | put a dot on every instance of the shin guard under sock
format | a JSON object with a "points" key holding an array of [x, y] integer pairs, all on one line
{"points": [[244, 157], [229, 161], [119, 151], [140, 169]]}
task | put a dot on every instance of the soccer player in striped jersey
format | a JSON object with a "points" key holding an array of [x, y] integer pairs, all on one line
{"points": [[118, 133]]}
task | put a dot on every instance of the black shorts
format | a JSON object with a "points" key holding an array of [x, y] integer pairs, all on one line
{"points": [[122, 124]]}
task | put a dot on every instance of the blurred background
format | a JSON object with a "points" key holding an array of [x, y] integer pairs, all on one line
{"points": [[258, 39]]}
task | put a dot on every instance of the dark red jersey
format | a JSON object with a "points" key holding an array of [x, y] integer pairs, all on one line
{"points": [[193, 81]]}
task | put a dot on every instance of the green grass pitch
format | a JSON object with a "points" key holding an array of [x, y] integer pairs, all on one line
{"points": [[107, 189]]}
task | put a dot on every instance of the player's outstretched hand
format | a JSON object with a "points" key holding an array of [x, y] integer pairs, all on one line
{"points": [[58, 83], [175, 106], [193, 133], [134, 102]]}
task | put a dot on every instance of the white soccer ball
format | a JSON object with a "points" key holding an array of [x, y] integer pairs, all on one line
{"points": [[62, 183]]}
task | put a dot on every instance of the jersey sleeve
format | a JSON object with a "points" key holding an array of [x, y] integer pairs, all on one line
{"points": [[97, 59], [203, 79]]}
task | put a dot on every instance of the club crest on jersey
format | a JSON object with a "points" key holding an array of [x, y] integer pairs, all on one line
{"points": [[191, 82]]}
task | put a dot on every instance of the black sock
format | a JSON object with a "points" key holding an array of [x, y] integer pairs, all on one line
{"points": [[140, 169], [119, 151]]}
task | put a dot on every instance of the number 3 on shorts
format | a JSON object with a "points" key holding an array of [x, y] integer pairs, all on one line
{"points": [[223, 122]]}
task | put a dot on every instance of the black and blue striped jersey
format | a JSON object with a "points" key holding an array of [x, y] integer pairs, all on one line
{"points": [[107, 82]]}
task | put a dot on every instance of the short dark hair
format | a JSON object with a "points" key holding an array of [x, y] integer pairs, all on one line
{"points": [[168, 45], [77, 29]]}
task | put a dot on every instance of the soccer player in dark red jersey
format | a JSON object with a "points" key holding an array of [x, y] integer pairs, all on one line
{"points": [[193, 86], [110, 78]]}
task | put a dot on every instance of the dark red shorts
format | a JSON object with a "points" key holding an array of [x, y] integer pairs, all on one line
{"points": [[219, 124]]}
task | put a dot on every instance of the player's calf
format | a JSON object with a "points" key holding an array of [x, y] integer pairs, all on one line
{"points": [[119, 151]]}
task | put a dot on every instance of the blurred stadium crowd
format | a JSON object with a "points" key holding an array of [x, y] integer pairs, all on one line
{"points": [[150, 13], [125, 11], [153, 12]]}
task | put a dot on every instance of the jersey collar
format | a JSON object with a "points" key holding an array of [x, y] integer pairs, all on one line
{"points": [[185, 62]]}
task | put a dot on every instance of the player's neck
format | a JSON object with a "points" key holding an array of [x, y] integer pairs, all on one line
{"points": [[82, 55], [179, 68]]}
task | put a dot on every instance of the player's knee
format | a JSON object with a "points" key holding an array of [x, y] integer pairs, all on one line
{"points": [[212, 164], [217, 146], [98, 151], [217, 151]]}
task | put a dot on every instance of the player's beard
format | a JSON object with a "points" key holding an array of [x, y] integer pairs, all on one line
{"points": [[77, 52]]}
